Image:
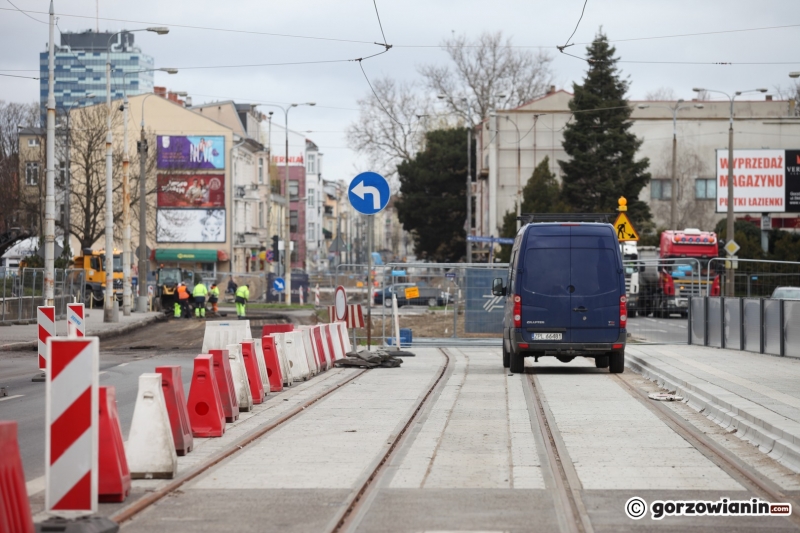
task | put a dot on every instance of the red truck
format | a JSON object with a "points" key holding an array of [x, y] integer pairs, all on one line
{"points": [[665, 290]]}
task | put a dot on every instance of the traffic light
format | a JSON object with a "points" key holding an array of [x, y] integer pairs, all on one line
{"points": [[275, 253]]}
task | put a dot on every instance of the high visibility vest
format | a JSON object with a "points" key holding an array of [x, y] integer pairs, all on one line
{"points": [[200, 290], [183, 294], [243, 292], [214, 292]]}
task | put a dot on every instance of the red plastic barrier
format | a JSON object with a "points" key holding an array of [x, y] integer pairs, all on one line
{"points": [[222, 371], [205, 407], [172, 384], [318, 357], [253, 375], [114, 477], [276, 328], [329, 336], [15, 510], [322, 346], [273, 364], [316, 340]]}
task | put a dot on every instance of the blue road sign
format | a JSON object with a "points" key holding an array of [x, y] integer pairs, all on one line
{"points": [[478, 238], [278, 284], [369, 193]]}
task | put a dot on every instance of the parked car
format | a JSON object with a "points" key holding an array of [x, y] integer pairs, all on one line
{"points": [[786, 293], [429, 296], [565, 295]]}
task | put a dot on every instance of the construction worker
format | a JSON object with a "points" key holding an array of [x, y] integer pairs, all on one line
{"points": [[242, 295], [199, 293], [213, 297], [183, 300]]}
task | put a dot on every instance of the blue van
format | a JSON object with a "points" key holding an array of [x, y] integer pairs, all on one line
{"points": [[565, 295]]}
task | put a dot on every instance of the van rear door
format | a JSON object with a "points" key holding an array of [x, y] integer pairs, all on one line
{"points": [[544, 283], [594, 304]]}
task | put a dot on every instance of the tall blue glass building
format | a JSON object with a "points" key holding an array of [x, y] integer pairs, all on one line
{"points": [[80, 69]]}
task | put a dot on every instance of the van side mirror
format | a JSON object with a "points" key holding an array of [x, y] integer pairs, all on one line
{"points": [[497, 287]]}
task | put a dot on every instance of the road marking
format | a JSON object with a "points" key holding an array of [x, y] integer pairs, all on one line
{"points": [[11, 397], [122, 364], [102, 372]]}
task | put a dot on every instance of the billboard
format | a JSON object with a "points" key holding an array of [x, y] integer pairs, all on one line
{"points": [[190, 152], [764, 181], [191, 190], [190, 225]]}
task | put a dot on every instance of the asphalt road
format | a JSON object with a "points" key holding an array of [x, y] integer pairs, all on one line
{"points": [[660, 330]]}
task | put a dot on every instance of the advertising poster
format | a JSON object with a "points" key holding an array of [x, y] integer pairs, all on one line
{"points": [[190, 225], [759, 181], [198, 190], [192, 152], [792, 181]]}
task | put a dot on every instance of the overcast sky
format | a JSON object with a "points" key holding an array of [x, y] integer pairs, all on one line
{"points": [[335, 87]]}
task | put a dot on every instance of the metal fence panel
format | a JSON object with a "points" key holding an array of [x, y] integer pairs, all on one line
{"points": [[772, 327], [483, 311], [791, 327], [698, 321], [752, 324], [22, 291], [733, 323], [714, 321]]}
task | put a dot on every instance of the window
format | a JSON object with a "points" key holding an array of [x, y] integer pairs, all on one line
{"points": [[31, 173], [293, 221], [33, 142], [660, 189], [294, 190], [260, 214], [312, 234], [705, 189], [294, 256], [311, 164], [310, 197], [62, 173], [260, 170]]}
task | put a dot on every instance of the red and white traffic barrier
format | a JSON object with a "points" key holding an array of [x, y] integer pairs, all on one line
{"points": [[76, 323], [46, 318], [316, 295], [71, 437]]}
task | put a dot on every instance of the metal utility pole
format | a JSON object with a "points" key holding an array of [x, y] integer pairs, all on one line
{"points": [[126, 214], [469, 182], [50, 199], [729, 228], [143, 260]]}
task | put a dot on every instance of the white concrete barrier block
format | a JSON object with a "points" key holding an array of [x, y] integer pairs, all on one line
{"points": [[297, 359], [221, 333], [283, 359], [150, 449], [308, 349], [239, 374], [319, 359], [262, 364]]}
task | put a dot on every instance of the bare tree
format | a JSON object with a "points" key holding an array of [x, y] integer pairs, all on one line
{"points": [[485, 68], [391, 124], [664, 94], [792, 92], [12, 117], [689, 165]]}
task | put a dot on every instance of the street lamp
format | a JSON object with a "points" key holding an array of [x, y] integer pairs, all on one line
{"points": [[794, 74], [729, 282], [287, 239], [68, 172], [673, 220], [126, 194], [108, 304]]}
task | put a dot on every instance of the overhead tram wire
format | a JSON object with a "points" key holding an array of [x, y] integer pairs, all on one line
{"points": [[561, 48], [26, 14]]}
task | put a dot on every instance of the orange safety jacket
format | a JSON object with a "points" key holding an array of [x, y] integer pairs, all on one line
{"points": [[183, 294]]}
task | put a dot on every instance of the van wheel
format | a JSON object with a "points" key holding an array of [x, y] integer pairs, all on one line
{"points": [[617, 362], [601, 361], [517, 363], [506, 357]]}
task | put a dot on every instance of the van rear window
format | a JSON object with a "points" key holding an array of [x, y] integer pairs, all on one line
{"points": [[546, 271], [594, 271]]}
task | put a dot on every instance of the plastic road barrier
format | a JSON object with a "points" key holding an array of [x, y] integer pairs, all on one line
{"points": [[327, 344], [336, 341], [172, 387], [319, 342], [311, 347], [46, 319], [239, 375], [205, 406], [15, 510], [220, 334], [283, 358], [345, 339], [297, 357], [114, 477], [76, 322], [262, 365], [273, 364], [355, 316], [251, 369], [71, 437], [150, 449], [227, 391], [269, 329], [311, 354]]}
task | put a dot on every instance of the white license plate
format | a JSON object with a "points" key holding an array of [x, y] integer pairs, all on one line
{"points": [[547, 336]]}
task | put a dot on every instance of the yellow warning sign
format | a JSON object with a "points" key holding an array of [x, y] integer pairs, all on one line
{"points": [[412, 292], [625, 229]]}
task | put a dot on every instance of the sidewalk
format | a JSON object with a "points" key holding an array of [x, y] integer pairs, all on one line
{"points": [[754, 395], [18, 337]]}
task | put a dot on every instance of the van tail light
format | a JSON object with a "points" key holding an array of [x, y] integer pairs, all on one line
{"points": [[668, 284], [623, 311], [517, 311], [715, 288]]}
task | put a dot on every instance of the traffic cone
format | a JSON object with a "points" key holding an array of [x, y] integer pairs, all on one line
{"points": [[172, 385], [273, 364], [253, 375], [227, 392], [114, 478], [205, 407], [15, 510]]}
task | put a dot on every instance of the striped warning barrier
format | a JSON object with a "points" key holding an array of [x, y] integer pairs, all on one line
{"points": [[76, 323], [71, 436], [316, 295], [46, 318], [353, 316]]}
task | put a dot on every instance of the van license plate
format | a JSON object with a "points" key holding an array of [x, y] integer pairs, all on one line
{"points": [[547, 336]]}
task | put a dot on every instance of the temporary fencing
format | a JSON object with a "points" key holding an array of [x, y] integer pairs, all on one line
{"points": [[22, 291], [753, 278]]}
